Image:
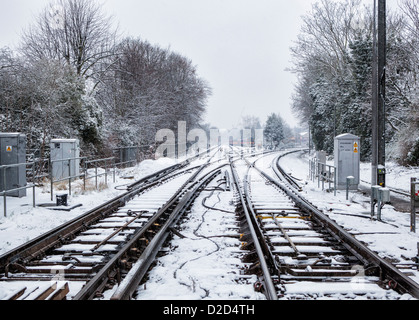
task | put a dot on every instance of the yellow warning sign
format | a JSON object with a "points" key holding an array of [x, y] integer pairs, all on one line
{"points": [[9, 148], [355, 150], [356, 147]]}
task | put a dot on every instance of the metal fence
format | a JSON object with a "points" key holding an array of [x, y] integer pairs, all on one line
{"points": [[5, 192], [40, 169], [324, 173], [108, 164]]}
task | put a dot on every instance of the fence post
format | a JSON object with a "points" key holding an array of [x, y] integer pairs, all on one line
{"points": [[329, 178], [4, 195], [114, 169], [106, 172], [334, 180], [85, 174], [414, 201], [51, 179], [69, 177], [33, 195], [96, 174]]}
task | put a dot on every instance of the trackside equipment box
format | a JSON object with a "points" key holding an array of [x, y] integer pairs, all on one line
{"points": [[347, 160], [128, 154], [62, 149], [13, 151]]}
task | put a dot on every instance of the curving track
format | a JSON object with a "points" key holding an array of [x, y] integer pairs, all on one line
{"points": [[231, 228], [312, 256]]}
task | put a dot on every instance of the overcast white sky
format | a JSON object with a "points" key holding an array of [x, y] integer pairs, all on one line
{"points": [[241, 47]]}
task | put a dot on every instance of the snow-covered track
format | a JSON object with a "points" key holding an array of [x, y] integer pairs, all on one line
{"points": [[388, 274], [127, 288], [254, 242], [96, 247], [310, 256]]}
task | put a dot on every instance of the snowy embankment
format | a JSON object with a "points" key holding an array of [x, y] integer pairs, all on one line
{"points": [[390, 238], [23, 222]]}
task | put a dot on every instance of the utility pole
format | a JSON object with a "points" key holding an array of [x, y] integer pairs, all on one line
{"points": [[378, 95]]}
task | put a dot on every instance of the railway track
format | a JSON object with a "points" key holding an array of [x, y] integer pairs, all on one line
{"points": [[306, 254], [274, 241], [90, 254]]}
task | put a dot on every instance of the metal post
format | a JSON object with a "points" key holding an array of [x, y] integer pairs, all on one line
{"points": [[33, 195], [106, 172], [4, 195], [329, 178], [309, 169], [375, 191], [372, 203], [85, 175], [347, 189], [69, 177], [334, 181], [379, 201], [374, 105], [318, 174], [382, 59], [114, 170], [4, 204], [33, 181], [51, 179], [378, 90], [413, 203]]}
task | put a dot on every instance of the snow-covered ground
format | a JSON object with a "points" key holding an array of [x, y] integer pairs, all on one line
{"points": [[23, 222], [390, 238], [206, 264]]}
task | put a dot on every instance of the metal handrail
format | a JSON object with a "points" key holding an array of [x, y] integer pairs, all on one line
{"points": [[323, 172]]}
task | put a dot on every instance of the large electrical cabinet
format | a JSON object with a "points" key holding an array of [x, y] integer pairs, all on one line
{"points": [[128, 154], [12, 152], [65, 149], [347, 160]]}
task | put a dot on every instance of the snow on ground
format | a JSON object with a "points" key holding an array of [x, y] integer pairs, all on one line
{"points": [[391, 238], [23, 222], [206, 264], [398, 177], [186, 278]]}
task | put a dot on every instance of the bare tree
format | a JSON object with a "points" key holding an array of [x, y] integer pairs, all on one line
{"points": [[325, 36], [74, 31], [148, 88]]}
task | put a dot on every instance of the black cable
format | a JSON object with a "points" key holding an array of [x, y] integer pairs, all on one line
{"points": [[195, 232]]}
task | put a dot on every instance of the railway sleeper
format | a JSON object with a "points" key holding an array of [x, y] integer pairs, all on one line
{"points": [[250, 256], [302, 242]]}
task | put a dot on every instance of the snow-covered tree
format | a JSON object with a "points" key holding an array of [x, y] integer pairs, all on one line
{"points": [[76, 32], [146, 89], [274, 130], [333, 62]]}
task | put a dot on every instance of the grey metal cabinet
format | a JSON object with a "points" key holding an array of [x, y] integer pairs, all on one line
{"points": [[12, 152]]}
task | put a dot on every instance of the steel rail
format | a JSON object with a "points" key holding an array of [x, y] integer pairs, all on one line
{"points": [[89, 291], [130, 283], [387, 270], [287, 177], [57, 236], [270, 290]]}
